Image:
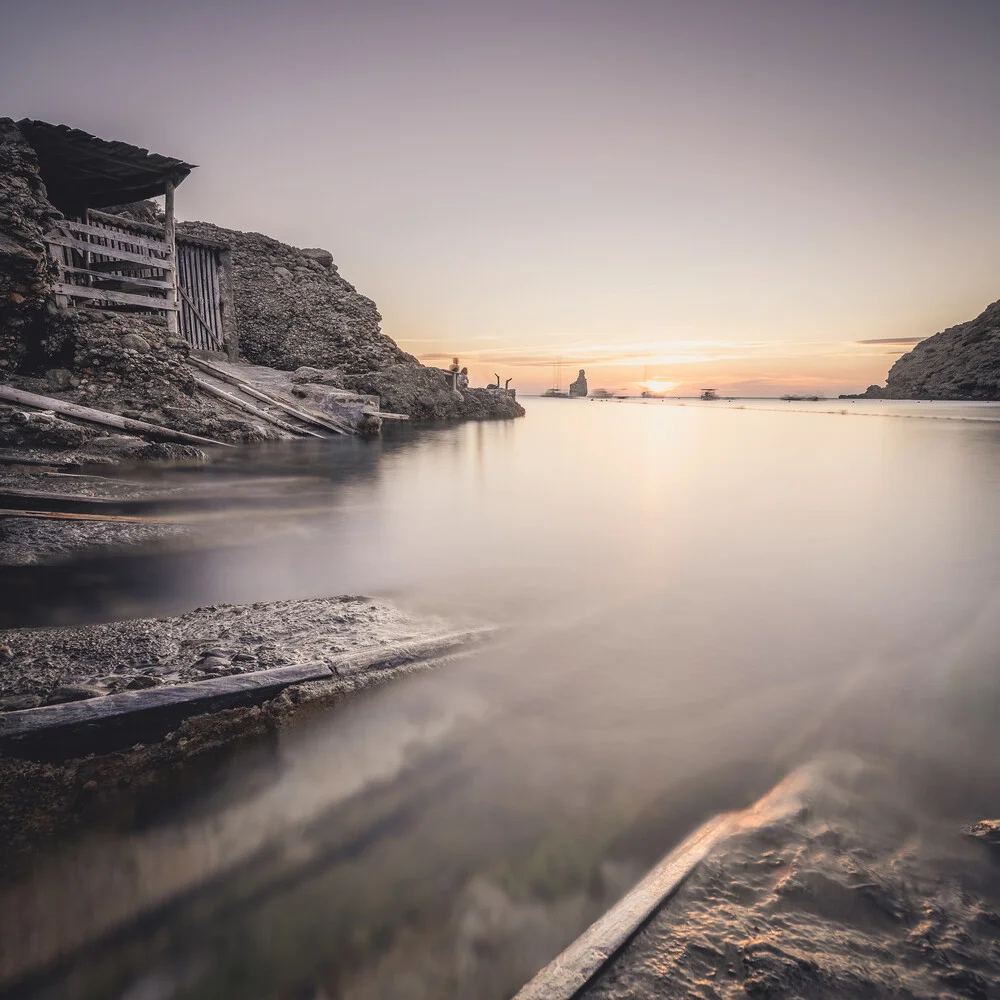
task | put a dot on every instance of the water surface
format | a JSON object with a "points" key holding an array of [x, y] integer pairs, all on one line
{"points": [[697, 599]]}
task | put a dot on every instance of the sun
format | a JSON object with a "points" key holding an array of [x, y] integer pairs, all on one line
{"points": [[659, 384]]}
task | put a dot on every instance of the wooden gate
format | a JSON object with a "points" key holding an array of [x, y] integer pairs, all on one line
{"points": [[200, 269]]}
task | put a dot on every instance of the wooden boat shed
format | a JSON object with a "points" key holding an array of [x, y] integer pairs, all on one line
{"points": [[110, 262]]}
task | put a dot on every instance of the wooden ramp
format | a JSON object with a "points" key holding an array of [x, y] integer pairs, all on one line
{"points": [[234, 386]]}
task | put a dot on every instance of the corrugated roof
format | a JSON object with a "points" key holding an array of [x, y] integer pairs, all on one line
{"points": [[82, 171]]}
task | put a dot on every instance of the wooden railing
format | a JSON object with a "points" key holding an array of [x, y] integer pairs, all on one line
{"points": [[108, 264]]}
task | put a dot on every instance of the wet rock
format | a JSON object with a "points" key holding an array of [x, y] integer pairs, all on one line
{"points": [[987, 830], [578, 389], [74, 692]]}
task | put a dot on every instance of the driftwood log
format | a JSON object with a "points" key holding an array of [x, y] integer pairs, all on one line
{"points": [[241, 404], [91, 416]]}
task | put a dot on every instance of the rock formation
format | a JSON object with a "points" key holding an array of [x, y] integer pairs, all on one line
{"points": [[579, 387], [294, 309], [962, 362]]}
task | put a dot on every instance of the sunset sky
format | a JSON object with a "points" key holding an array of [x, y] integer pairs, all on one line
{"points": [[762, 196]]}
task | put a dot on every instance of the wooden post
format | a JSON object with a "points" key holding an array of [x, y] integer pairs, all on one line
{"points": [[170, 237], [227, 306]]}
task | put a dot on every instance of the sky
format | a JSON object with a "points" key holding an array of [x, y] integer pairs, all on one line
{"points": [[761, 196]]}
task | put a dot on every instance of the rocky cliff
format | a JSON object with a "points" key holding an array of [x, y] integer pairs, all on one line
{"points": [[962, 362], [293, 309]]}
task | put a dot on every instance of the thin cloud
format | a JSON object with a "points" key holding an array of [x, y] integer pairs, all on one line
{"points": [[892, 340]]}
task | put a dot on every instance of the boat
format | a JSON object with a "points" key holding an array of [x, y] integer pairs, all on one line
{"points": [[557, 393], [709, 394], [790, 398], [601, 394]]}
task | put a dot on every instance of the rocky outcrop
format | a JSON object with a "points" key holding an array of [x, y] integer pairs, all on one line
{"points": [[293, 308], [578, 389], [426, 394], [25, 215], [962, 362]]}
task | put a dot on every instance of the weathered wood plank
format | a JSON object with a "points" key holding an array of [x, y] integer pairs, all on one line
{"points": [[241, 404], [386, 415], [110, 295], [327, 423], [100, 724], [201, 319], [163, 264], [121, 235], [92, 416], [170, 238], [129, 279], [567, 974], [62, 515]]}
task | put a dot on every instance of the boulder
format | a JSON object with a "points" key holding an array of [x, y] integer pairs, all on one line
{"points": [[323, 257], [135, 342]]}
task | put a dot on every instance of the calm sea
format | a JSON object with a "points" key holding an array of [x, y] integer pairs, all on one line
{"points": [[697, 599]]}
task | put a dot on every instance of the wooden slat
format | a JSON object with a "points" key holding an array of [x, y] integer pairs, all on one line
{"points": [[565, 976], [122, 236], [123, 265], [198, 316], [164, 264], [201, 696], [129, 279], [241, 404], [108, 295], [326, 422]]}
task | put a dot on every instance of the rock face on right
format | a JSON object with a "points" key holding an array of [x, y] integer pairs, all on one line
{"points": [[962, 362], [579, 387]]}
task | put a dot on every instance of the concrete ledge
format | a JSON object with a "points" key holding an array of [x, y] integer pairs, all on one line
{"points": [[100, 725], [566, 975]]}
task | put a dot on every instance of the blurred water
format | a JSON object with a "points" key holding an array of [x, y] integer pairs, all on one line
{"points": [[700, 597]]}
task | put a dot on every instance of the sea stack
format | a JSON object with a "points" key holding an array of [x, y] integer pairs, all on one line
{"points": [[579, 387]]}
